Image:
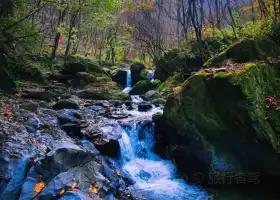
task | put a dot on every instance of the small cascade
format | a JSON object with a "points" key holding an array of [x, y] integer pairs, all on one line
{"points": [[154, 177], [128, 82], [136, 99]]}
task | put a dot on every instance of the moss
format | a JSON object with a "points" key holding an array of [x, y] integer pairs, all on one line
{"points": [[244, 51], [143, 87], [160, 100], [168, 85], [229, 112], [20, 84]]}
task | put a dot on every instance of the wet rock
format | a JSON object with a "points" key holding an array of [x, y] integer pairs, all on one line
{"points": [[31, 106], [144, 107], [63, 158], [120, 77], [69, 116], [66, 104], [42, 95], [72, 129], [86, 174], [16, 144], [14, 186], [109, 148]]}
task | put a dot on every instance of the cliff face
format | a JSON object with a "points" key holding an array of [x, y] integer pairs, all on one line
{"points": [[226, 119]]}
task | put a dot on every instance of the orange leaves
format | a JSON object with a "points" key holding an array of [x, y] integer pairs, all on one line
{"points": [[93, 189], [40, 185], [61, 192], [74, 186], [7, 112]]}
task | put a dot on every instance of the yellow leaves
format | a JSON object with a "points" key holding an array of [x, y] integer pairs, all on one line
{"points": [[142, 4], [147, 4], [40, 185]]}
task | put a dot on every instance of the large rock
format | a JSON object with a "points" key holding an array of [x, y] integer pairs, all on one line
{"points": [[142, 87], [226, 121], [136, 69], [16, 145], [120, 77], [244, 51], [73, 68], [66, 104], [41, 95]]}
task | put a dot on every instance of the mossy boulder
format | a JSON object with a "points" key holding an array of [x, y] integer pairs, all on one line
{"points": [[244, 51], [176, 60], [136, 70], [142, 87], [102, 91], [225, 121]]}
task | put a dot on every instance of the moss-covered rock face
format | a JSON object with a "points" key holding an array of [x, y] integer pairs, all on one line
{"points": [[176, 60], [244, 51], [169, 85], [102, 91], [142, 87], [229, 116]]}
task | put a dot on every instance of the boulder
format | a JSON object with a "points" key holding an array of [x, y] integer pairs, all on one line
{"points": [[226, 121], [120, 77], [109, 148], [66, 104], [73, 68], [142, 87], [16, 145], [102, 93], [41, 95], [136, 69], [144, 107]]}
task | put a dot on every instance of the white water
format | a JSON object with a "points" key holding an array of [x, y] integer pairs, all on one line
{"points": [[128, 82], [136, 99], [155, 178]]}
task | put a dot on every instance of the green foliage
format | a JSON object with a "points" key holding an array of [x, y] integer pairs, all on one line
{"points": [[176, 60]]}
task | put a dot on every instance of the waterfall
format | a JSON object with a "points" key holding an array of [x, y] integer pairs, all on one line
{"points": [[154, 177], [128, 82]]}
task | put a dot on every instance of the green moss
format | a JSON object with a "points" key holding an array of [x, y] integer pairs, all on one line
{"points": [[20, 84], [228, 111], [244, 51], [160, 100]]}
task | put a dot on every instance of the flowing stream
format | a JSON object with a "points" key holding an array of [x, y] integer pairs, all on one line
{"points": [[154, 177]]}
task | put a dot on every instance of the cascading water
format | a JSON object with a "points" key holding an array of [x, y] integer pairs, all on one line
{"points": [[128, 82], [154, 177]]}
